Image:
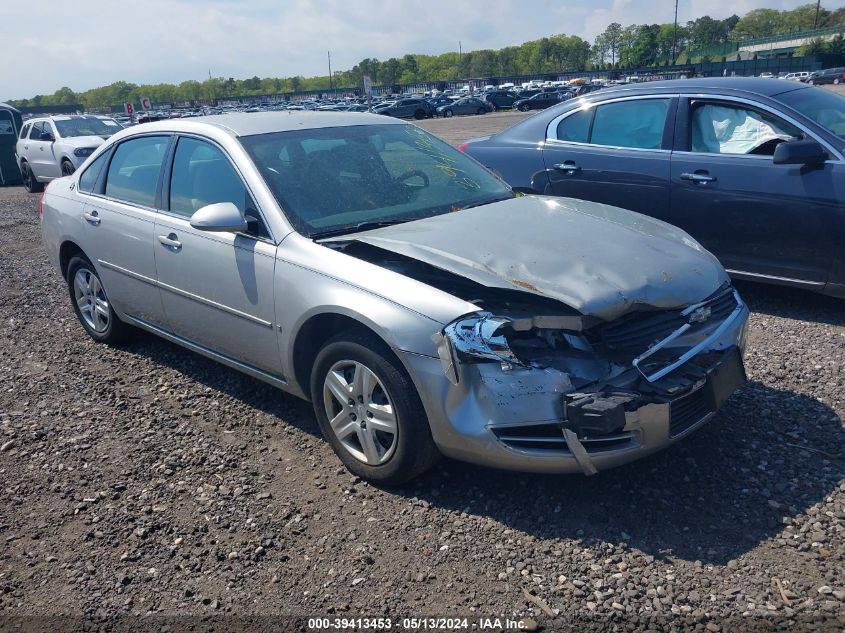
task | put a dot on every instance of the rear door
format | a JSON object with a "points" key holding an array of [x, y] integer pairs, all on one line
{"points": [[615, 152], [121, 189], [758, 218], [36, 150]]}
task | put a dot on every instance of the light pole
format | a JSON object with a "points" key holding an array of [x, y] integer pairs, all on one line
{"points": [[329, 53], [675, 34]]}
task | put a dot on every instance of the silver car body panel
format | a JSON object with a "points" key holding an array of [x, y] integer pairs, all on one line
{"points": [[244, 301], [549, 247]]}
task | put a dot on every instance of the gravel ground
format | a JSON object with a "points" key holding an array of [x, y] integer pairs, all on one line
{"points": [[146, 480]]}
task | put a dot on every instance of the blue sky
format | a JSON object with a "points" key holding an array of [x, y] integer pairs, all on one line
{"points": [[87, 43]]}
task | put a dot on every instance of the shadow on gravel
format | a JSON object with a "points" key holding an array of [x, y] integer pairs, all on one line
{"points": [[240, 387], [792, 303], [711, 497]]}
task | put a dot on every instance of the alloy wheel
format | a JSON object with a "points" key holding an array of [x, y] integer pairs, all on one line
{"points": [[91, 300], [360, 413]]}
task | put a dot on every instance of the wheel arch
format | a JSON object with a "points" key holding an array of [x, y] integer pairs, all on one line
{"points": [[67, 251], [314, 333]]}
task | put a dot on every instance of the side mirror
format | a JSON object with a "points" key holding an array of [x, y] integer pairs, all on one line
{"points": [[799, 153], [47, 136], [219, 217]]}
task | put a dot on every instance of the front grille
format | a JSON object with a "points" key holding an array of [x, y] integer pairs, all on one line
{"points": [[637, 332], [549, 437], [689, 410]]}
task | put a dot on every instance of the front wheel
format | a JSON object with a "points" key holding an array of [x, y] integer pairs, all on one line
{"points": [[30, 183], [419, 114], [369, 410], [448, 113], [67, 168], [523, 108], [811, 82], [91, 304]]}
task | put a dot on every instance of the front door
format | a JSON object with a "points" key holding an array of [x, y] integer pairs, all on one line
{"points": [[613, 153], [758, 218], [217, 288]]}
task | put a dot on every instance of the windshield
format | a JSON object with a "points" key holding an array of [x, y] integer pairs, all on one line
{"points": [[339, 179], [86, 127], [822, 106]]}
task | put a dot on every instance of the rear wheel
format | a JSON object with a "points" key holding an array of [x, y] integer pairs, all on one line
{"points": [[29, 181], [369, 410], [91, 303], [67, 168]]}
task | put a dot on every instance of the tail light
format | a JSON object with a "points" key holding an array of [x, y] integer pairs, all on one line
{"points": [[463, 147], [41, 204]]}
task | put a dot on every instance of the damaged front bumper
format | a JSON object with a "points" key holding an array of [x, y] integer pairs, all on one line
{"points": [[534, 419]]}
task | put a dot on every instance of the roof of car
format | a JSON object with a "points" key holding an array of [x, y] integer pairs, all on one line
{"points": [[249, 123], [758, 85]]}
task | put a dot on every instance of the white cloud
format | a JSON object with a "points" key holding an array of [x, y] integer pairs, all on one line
{"points": [[88, 43]]}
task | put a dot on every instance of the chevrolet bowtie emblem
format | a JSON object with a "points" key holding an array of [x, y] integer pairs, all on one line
{"points": [[700, 315]]}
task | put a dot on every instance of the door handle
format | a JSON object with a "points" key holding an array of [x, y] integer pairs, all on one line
{"points": [[170, 241], [569, 167], [698, 177], [92, 218]]}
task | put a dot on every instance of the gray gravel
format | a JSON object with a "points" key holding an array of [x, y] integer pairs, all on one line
{"points": [[147, 480]]}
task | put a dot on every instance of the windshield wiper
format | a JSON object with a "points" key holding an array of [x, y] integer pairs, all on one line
{"points": [[481, 203], [354, 228]]}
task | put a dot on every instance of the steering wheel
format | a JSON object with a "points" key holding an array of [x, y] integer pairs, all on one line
{"points": [[414, 172]]}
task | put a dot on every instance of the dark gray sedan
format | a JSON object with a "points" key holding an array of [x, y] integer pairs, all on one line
{"points": [[467, 105], [752, 168]]}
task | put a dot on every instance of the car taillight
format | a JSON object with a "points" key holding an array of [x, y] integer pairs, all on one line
{"points": [[463, 147], [41, 204]]}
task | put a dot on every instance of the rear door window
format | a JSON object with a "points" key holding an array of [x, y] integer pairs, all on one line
{"points": [[134, 170], [637, 123], [92, 173], [35, 134]]}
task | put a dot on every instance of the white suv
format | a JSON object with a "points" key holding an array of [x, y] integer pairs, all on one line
{"points": [[51, 147]]}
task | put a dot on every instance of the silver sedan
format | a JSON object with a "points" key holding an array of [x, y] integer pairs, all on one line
{"points": [[424, 307]]}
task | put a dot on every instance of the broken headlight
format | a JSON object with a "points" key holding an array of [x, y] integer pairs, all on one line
{"points": [[480, 338]]}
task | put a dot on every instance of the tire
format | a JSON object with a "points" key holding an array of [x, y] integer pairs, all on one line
{"points": [[481, 111], [448, 113], [524, 108], [837, 81], [87, 291], [29, 181], [811, 82], [419, 114], [375, 454], [67, 168]]}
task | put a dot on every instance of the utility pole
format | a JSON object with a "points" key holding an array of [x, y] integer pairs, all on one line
{"points": [[816, 20], [460, 54], [329, 53], [675, 35]]}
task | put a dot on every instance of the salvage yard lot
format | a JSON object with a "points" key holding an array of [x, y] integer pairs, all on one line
{"points": [[147, 479]]}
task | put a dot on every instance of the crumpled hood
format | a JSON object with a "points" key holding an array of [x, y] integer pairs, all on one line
{"points": [[600, 260]]}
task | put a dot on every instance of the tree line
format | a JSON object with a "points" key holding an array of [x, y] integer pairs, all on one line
{"points": [[633, 46]]}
